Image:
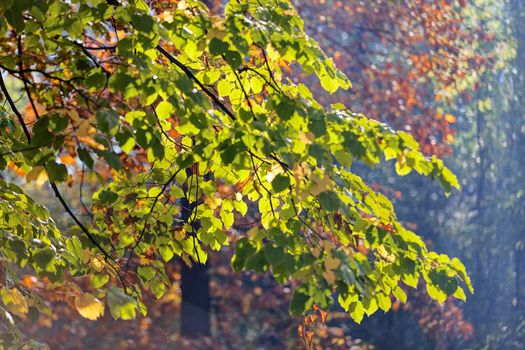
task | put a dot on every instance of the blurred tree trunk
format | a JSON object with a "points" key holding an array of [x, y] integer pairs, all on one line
{"points": [[195, 309], [195, 312]]}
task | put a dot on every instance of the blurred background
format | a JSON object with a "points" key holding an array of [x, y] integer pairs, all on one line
{"points": [[452, 73]]}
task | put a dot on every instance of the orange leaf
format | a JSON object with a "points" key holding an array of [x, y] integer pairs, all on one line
{"points": [[68, 159], [91, 143]]}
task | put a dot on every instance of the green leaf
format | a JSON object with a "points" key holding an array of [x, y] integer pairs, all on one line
{"points": [[224, 88], [146, 273], [280, 183], [158, 287], [85, 157], [435, 293], [329, 84], [107, 121], [243, 250], [218, 47], [370, 305], [274, 255], [329, 201], [98, 281], [227, 218], [400, 294], [257, 262], [300, 303], [96, 80], [383, 301], [112, 159], [357, 312], [121, 305], [164, 110], [241, 207], [285, 110], [44, 259], [441, 280], [56, 172], [166, 253], [233, 58], [107, 196]]}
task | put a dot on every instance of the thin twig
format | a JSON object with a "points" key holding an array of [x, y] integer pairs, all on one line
{"points": [[255, 169], [245, 94]]}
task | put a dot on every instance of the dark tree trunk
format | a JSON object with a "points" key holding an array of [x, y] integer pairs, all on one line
{"points": [[195, 312]]}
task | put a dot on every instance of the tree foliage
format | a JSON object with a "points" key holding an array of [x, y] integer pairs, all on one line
{"points": [[190, 121]]}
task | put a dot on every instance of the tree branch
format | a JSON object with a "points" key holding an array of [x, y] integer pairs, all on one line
{"points": [[192, 76], [14, 109]]}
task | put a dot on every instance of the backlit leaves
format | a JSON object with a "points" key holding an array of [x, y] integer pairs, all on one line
{"points": [[191, 126]]}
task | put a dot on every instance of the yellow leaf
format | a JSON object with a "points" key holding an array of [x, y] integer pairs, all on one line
{"points": [[89, 307], [307, 138], [166, 16], [97, 263], [315, 252], [15, 302], [217, 32], [320, 185], [34, 173], [85, 129], [331, 263], [179, 234], [381, 250], [329, 276], [300, 171], [73, 114], [42, 178], [213, 201], [182, 5], [272, 53]]}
